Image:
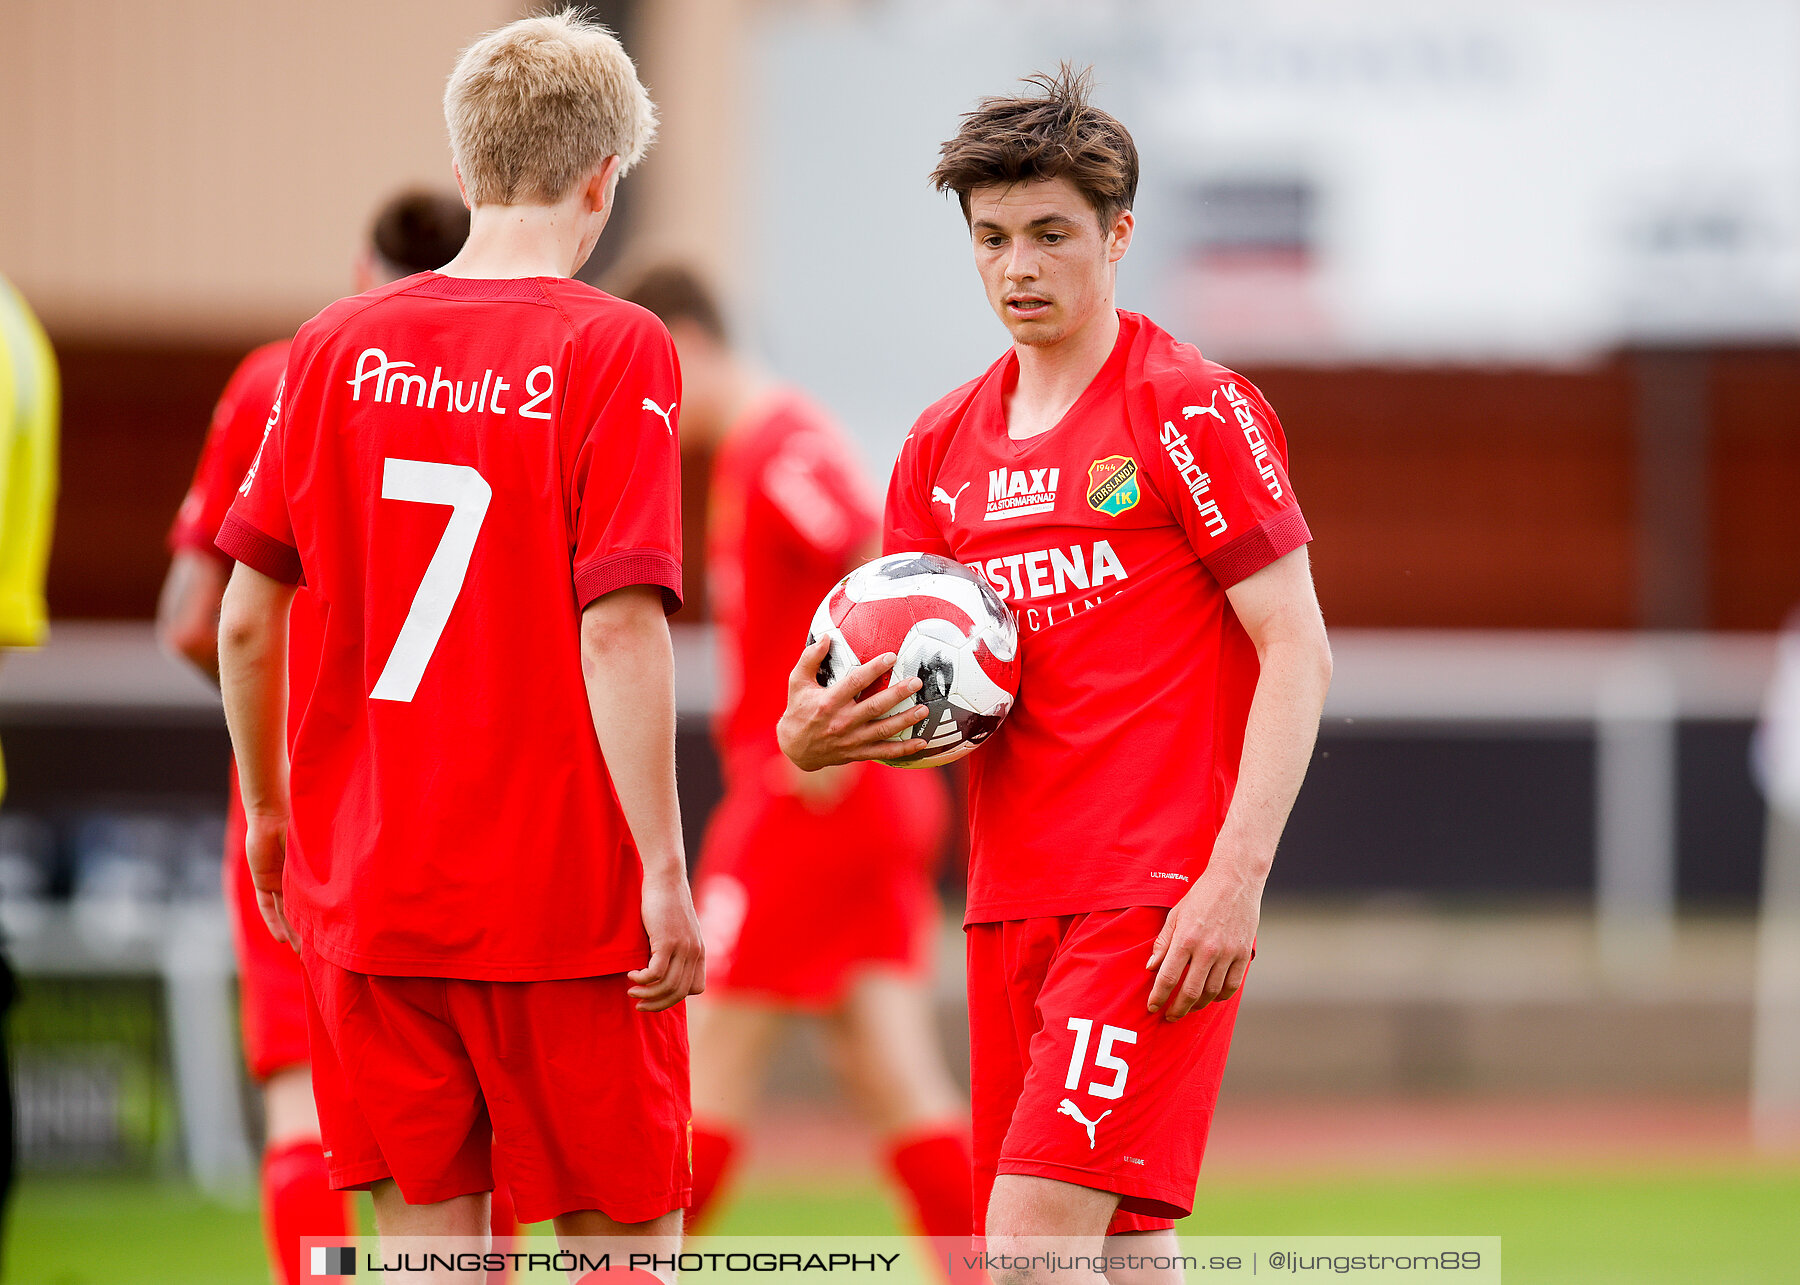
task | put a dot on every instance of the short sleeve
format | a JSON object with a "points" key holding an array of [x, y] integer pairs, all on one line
{"points": [[1221, 465], [625, 490], [258, 530], [814, 485], [909, 525]]}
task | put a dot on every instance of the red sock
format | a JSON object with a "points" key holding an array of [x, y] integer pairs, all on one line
{"points": [[934, 1168], [712, 1154], [298, 1201], [503, 1224]]}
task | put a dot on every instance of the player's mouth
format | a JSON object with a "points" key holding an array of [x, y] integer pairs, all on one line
{"points": [[1026, 307]]}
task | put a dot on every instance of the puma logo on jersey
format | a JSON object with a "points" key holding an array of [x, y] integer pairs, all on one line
{"points": [[1069, 1109], [1012, 493], [1211, 408], [940, 496], [663, 414]]}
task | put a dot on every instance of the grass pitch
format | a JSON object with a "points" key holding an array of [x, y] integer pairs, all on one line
{"points": [[1690, 1227]]}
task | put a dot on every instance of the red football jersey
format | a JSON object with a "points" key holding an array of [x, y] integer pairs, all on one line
{"points": [[790, 512], [1114, 537], [238, 421], [458, 468]]}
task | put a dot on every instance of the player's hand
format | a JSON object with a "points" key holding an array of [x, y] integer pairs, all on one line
{"points": [[826, 726], [265, 847], [1206, 943], [677, 966]]}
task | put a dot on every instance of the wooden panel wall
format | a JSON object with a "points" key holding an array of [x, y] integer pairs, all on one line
{"points": [[1445, 498], [133, 422], [1753, 485]]}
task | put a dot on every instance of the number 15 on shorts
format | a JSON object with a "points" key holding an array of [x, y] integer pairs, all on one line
{"points": [[1104, 1058]]}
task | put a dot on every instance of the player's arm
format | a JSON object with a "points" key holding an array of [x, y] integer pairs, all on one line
{"points": [[187, 610], [628, 664], [252, 652], [1204, 948]]}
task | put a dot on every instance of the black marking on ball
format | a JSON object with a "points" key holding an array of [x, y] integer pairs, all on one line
{"points": [[976, 728], [937, 674], [827, 671], [929, 727], [921, 564]]}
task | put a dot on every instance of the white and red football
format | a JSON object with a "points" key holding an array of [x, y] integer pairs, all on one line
{"points": [[949, 630]]}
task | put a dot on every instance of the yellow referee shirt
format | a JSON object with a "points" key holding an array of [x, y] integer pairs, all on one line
{"points": [[30, 407]]}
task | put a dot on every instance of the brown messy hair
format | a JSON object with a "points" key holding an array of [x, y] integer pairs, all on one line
{"points": [[674, 292], [419, 231], [1055, 134]]}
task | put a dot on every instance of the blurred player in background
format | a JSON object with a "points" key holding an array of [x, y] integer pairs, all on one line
{"points": [[414, 232], [30, 410], [484, 866], [1130, 500], [814, 889]]}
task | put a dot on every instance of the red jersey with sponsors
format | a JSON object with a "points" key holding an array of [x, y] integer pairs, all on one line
{"points": [[237, 430], [790, 513], [458, 468], [1114, 537]]}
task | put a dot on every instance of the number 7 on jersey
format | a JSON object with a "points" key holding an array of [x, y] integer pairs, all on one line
{"points": [[467, 493]]}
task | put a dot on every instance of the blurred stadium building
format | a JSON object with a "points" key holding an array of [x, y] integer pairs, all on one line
{"points": [[1523, 282]]}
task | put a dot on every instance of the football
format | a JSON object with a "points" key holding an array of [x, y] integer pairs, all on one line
{"points": [[948, 628]]}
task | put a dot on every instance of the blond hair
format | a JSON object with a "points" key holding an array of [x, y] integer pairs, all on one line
{"points": [[537, 104]]}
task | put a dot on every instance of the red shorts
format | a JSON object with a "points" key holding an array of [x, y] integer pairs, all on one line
{"points": [[562, 1089], [1072, 1078], [794, 898], [271, 988]]}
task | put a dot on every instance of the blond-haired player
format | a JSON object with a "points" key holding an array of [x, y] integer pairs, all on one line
{"points": [[473, 838]]}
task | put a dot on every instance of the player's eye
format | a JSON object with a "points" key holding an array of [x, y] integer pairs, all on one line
{"points": [[1054, 238], [993, 242]]}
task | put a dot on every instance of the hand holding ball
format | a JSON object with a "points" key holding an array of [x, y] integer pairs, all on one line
{"points": [[949, 630]]}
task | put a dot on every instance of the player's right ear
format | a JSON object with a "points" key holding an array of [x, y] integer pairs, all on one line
{"points": [[598, 188], [1118, 238]]}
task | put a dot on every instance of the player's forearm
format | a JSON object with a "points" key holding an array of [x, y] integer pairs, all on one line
{"points": [[628, 664], [1278, 743], [253, 627], [187, 611]]}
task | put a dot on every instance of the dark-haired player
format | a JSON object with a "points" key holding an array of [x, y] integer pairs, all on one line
{"points": [[473, 836], [814, 889], [413, 232], [1131, 501]]}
